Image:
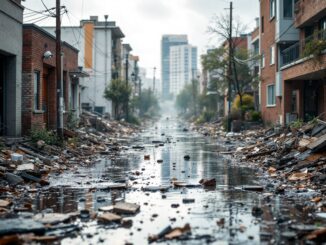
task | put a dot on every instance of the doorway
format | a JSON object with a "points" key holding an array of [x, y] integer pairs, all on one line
{"points": [[310, 100], [2, 95]]}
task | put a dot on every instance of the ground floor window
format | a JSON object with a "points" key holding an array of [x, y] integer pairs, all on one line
{"points": [[271, 95], [37, 90]]}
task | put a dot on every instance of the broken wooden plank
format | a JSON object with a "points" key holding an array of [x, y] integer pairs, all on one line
{"points": [[318, 145], [109, 217], [126, 208]]}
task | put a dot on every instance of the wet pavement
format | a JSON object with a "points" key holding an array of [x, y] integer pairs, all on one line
{"points": [[225, 214]]}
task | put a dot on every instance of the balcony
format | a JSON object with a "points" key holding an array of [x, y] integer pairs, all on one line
{"points": [[311, 46], [307, 11]]}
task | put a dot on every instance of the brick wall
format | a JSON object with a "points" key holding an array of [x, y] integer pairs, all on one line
{"points": [[35, 43], [307, 9], [269, 114]]}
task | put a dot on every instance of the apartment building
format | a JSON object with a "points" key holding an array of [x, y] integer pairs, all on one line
{"points": [[100, 45], [303, 65], [293, 67], [167, 42], [11, 19], [183, 67]]}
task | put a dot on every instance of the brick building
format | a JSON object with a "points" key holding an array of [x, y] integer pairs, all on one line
{"points": [[293, 76], [11, 19], [39, 97]]}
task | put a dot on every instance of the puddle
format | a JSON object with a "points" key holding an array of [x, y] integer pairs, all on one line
{"points": [[89, 188]]}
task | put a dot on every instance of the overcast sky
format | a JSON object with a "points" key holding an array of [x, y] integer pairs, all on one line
{"points": [[144, 21]]}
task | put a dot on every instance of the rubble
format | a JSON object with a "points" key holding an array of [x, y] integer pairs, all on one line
{"points": [[109, 217], [25, 167], [125, 208], [169, 234]]}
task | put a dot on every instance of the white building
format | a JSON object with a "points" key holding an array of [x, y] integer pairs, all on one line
{"points": [[99, 43], [183, 67]]}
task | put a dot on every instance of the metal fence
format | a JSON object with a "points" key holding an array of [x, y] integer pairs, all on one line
{"points": [[296, 51]]}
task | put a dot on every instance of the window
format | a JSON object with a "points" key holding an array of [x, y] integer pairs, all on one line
{"points": [[263, 60], [271, 95], [287, 8], [37, 105], [272, 8], [262, 24], [272, 55]]}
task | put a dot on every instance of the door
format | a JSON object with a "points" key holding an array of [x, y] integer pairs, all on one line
{"points": [[2, 99], [310, 100]]}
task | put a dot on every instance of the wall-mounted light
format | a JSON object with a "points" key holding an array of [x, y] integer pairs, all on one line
{"points": [[47, 55]]}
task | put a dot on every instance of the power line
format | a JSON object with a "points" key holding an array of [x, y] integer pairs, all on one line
{"points": [[47, 9]]}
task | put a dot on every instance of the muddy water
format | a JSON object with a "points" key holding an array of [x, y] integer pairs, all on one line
{"points": [[86, 189]]}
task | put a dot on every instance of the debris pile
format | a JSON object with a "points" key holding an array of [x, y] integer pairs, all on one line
{"points": [[293, 161], [25, 166]]}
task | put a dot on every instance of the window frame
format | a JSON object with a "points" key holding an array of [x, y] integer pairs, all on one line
{"points": [[292, 8], [37, 90], [263, 60], [272, 9], [267, 96], [272, 55]]}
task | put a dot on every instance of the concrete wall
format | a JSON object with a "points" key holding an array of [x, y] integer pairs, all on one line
{"points": [[285, 30], [11, 18]]}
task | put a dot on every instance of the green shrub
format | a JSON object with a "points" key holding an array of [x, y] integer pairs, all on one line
{"points": [[296, 124], [72, 120], [247, 103], [205, 116], [133, 120], [253, 116], [314, 47], [256, 116], [48, 137]]}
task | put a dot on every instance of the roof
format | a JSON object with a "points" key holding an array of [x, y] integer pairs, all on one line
{"points": [[127, 47], [44, 32]]}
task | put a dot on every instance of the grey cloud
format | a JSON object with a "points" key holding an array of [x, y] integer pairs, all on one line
{"points": [[154, 9]]}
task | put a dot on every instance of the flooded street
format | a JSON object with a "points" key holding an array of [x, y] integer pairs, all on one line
{"points": [[224, 214]]}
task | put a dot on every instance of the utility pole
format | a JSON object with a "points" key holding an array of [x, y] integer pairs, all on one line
{"points": [[230, 68], [58, 72], [154, 70], [127, 83]]}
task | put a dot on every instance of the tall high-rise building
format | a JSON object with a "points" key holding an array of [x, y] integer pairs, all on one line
{"points": [[183, 67], [167, 42]]}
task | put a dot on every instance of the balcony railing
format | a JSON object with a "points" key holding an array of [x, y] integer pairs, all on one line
{"points": [[300, 50]]}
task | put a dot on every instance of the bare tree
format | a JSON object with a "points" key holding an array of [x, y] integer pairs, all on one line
{"points": [[220, 27]]}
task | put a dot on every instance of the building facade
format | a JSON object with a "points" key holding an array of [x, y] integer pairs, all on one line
{"points": [[100, 45], [183, 67], [11, 19], [166, 43], [293, 69], [39, 83]]}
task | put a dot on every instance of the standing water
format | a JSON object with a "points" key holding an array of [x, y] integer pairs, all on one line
{"points": [[217, 215]]}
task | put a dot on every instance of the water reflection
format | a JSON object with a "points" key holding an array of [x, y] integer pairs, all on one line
{"points": [[86, 189]]}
